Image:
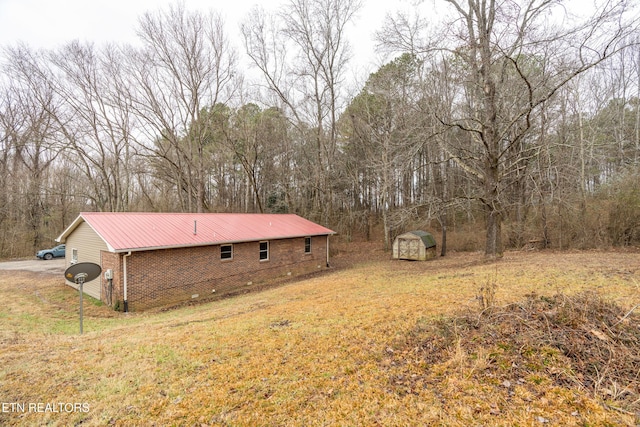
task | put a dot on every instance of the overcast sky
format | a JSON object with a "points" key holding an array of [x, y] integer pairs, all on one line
{"points": [[49, 23]]}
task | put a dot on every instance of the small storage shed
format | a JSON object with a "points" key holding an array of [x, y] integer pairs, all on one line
{"points": [[414, 245]]}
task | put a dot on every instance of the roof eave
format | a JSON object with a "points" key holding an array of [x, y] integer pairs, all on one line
{"points": [[62, 237], [214, 243], [76, 222]]}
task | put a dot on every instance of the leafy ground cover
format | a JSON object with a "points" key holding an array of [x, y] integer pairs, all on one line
{"points": [[538, 338]]}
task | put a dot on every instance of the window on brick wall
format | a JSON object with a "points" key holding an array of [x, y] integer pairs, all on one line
{"points": [[307, 245], [226, 251], [264, 251]]}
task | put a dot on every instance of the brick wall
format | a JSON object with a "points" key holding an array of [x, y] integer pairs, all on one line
{"points": [[169, 276], [112, 261]]}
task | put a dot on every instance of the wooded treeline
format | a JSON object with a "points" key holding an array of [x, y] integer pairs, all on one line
{"points": [[507, 124]]}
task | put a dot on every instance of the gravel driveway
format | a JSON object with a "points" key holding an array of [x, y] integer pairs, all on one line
{"points": [[54, 266]]}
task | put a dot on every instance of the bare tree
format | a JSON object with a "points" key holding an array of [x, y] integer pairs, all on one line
{"points": [[7, 136], [302, 54], [382, 127], [29, 137], [96, 119], [511, 60], [186, 65]]}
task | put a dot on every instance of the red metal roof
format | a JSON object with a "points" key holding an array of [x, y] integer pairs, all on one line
{"points": [[145, 230]]}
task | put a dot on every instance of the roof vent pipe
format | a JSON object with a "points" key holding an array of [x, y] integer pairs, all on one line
{"points": [[195, 227]]}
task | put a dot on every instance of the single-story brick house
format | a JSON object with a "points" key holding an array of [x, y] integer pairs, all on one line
{"points": [[156, 259]]}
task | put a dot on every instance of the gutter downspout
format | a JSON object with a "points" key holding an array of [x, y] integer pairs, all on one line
{"points": [[124, 260], [328, 251]]}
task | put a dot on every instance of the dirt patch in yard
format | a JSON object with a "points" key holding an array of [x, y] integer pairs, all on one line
{"points": [[54, 266]]}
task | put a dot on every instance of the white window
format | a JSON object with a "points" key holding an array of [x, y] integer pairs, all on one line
{"points": [[74, 256], [264, 251], [307, 245], [226, 252]]}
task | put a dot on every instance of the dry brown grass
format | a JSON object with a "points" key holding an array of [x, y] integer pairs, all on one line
{"points": [[333, 349]]}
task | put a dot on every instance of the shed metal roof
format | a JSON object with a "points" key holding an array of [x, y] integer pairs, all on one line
{"points": [[426, 238], [135, 231]]}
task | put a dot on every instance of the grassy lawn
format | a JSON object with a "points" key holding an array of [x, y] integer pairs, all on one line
{"points": [[348, 347]]}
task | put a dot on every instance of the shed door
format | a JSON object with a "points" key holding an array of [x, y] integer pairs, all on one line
{"points": [[408, 249]]}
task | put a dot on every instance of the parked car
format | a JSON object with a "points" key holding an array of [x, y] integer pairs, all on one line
{"points": [[56, 252]]}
